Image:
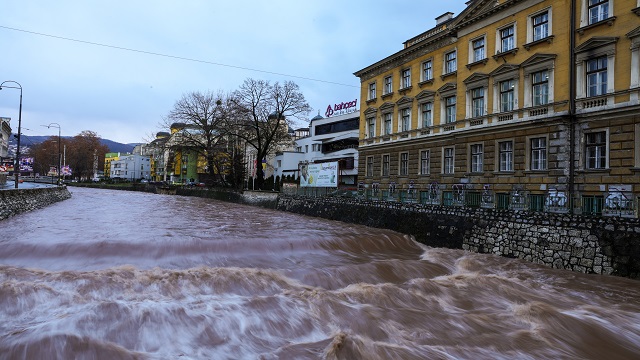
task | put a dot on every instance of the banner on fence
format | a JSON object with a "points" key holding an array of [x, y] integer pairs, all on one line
{"points": [[319, 175]]}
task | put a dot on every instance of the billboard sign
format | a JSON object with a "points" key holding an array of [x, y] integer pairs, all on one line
{"points": [[319, 175], [26, 164]]}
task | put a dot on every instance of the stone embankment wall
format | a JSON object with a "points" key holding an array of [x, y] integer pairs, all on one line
{"points": [[256, 198], [266, 199], [14, 202], [578, 243]]}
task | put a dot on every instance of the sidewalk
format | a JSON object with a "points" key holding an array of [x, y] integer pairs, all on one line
{"points": [[10, 185]]}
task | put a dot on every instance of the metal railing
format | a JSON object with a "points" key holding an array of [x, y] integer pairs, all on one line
{"points": [[553, 202]]}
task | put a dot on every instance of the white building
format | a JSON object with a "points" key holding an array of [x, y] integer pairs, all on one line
{"points": [[131, 167], [331, 138]]}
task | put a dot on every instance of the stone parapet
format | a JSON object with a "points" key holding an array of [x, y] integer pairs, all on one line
{"points": [[17, 201], [609, 246]]}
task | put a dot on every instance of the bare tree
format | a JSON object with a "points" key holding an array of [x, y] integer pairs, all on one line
{"points": [[45, 154], [203, 117], [82, 151], [263, 115]]}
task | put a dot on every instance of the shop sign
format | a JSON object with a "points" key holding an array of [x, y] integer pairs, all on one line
{"points": [[342, 108]]}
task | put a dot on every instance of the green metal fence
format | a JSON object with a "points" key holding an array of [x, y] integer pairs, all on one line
{"points": [[589, 204], [592, 205]]}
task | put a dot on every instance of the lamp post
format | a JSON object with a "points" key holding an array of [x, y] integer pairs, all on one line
{"points": [[59, 153], [16, 166]]}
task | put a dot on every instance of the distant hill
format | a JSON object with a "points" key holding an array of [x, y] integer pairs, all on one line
{"points": [[118, 147], [34, 140]]}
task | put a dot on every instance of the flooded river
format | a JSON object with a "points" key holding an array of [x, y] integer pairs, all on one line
{"points": [[124, 275]]}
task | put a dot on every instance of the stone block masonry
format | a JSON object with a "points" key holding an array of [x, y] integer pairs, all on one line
{"points": [[600, 245], [14, 202]]}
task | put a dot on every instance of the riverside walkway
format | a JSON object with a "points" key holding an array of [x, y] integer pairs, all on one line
{"points": [[10, 185]]}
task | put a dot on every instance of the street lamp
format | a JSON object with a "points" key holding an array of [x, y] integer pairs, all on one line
{"points": [[59, 153], [16, 166]]}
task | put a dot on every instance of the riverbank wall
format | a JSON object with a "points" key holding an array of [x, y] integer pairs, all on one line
{"points": [[266, 199], [17, 201], [600, 245]]}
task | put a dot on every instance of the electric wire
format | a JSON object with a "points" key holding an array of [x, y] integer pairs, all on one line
{"points": [[174, 56]]}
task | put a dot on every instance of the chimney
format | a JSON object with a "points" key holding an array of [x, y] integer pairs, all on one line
{"points": [[444, 18]]}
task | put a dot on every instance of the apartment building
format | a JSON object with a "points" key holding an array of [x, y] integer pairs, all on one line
{"points": [[514, 104], [132, 167]]}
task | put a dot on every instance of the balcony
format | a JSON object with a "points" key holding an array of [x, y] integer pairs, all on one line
{"points": [[594, 102], [476, 121], [505, 117], [538, 111]]}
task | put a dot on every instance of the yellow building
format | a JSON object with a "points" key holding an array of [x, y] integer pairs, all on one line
{"points": [[520, 104], [108, 158]]}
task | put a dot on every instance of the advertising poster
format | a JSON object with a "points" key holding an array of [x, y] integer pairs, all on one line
{"points": [[319, 175], [26, 164]]}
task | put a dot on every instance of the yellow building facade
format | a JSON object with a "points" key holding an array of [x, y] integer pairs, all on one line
{"points": [[514, 104], [108, 158]]}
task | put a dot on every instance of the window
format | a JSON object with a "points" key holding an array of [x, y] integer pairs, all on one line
{"points": [[372, 91], [598, 10], [405, 119], [478, 49], [406, 78], [385, 165], [371, 124], [595, 68], [507, 38], [450, 63], [540, 88], [447, 163], [538, 82], [404, 164], [597, 76], [427, 114], [476, 158], [369, 166], [450, 109], [387, 123], [338, 126], [477, 102], [505, 156], [507, 89], [388, 85], [540, 25], [596, 150], [427, 70], [538, 154], [536, 202], [424, 162], [306, 148]]}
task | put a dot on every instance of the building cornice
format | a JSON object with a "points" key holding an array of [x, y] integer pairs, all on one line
{"points": [[405, 55], [480, 10]]}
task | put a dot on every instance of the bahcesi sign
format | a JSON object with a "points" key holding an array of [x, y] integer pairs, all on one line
{"points": [[342, 108]]}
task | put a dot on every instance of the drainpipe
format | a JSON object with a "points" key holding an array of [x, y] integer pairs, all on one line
{"points": [[572, 104]]}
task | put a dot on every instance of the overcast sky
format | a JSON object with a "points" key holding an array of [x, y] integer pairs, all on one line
{"points": [[90, 65]]}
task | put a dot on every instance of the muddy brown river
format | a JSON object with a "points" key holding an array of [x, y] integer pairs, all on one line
{"points": [[125, 275]]}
